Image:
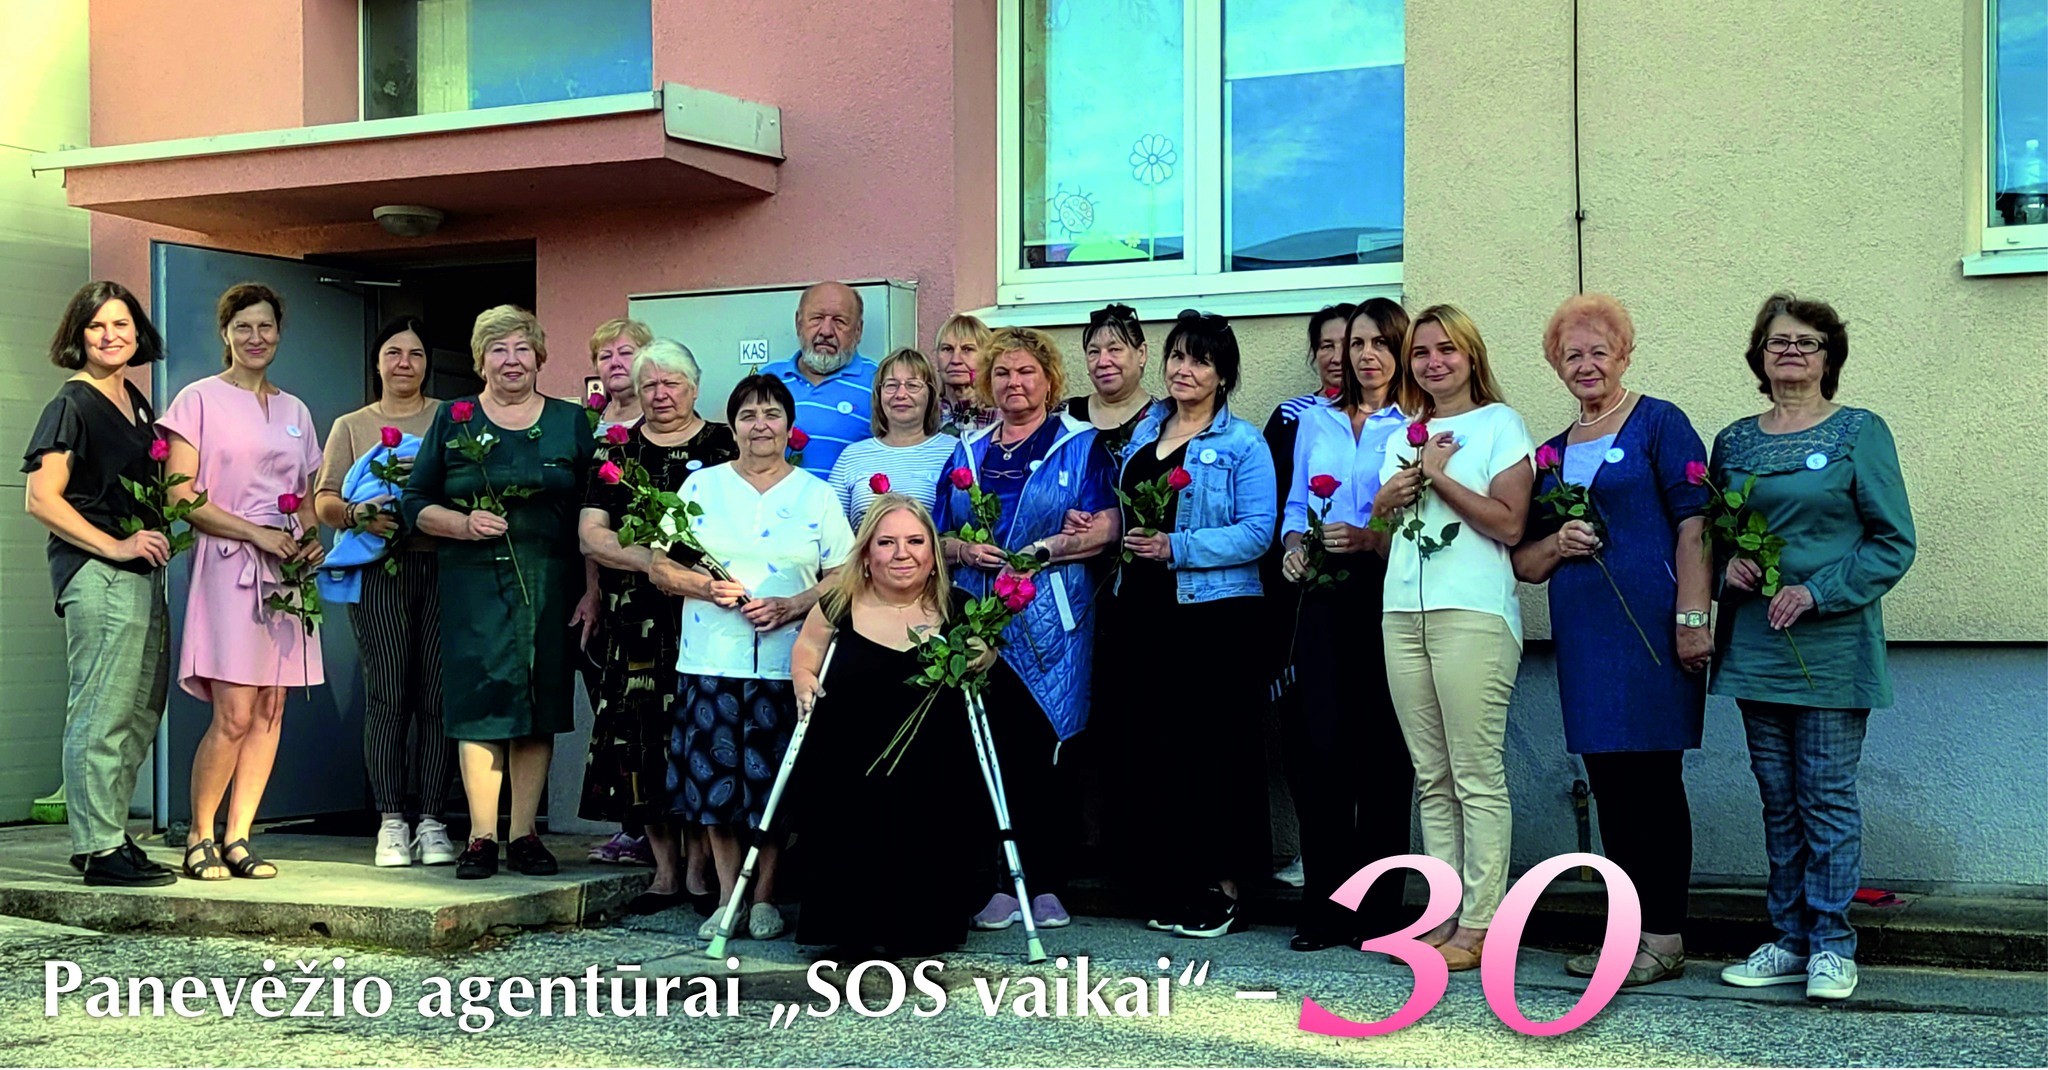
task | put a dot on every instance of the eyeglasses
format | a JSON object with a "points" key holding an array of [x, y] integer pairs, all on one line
{"points": [[1805, 343], [899, 386]]}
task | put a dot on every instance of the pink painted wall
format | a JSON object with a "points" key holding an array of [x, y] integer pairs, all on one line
{"points": [[888, 126]]}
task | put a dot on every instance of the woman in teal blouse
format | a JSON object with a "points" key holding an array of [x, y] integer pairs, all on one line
{"points": [[512, 579], [1828, 483]]}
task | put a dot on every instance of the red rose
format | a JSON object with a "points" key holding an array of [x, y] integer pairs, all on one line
{"points": [[288, 503], [1324, 486], [1695, 472], [961, 477], [617, 434], [610, 472], [391, 437], [1020, 595], [461, 411], [1546, 457], [1333, 392], [159, 449], [1178, 479], [878, 483], [596, 402], [1417, 434], [797, 439]]}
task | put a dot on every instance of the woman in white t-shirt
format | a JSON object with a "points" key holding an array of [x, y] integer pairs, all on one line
{"points": [[776, 532], [1452, 628]]}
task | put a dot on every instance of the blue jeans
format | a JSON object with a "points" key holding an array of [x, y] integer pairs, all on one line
{"points": [[1805, 764]]}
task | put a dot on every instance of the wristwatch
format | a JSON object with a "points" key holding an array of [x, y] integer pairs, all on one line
{"points": [[1693, 618]]}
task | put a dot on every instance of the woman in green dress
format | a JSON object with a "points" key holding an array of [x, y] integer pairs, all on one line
{"points": [[500, 479], [1828, 483]]}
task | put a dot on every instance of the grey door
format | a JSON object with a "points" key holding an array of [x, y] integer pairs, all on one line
{"points": [[322, 359]]}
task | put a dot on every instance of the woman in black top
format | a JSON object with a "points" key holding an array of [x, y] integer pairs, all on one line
{"points": [[98, 431], [1115, 346]]}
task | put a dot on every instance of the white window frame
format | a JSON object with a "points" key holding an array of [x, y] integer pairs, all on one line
{"points": [[1199, 273], [2028, 238]]}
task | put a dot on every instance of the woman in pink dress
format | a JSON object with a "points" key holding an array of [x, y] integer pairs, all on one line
{"points": [[247, 445]]}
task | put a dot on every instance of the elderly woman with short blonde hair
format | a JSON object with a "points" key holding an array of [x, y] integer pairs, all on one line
{"points": [[614, 349], [960, 354], [1633, 702], [499, 480]]}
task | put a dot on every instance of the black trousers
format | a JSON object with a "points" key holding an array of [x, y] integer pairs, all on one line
{"points": [[1353, 783], [397, 627], [1646, 828], [1045, 809]]}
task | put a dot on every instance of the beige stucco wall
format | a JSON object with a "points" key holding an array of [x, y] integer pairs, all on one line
{"points": [[1743, 148], [43, 258]]}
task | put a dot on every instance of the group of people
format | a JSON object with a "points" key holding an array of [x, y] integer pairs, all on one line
{"points": [[1357, 561]]}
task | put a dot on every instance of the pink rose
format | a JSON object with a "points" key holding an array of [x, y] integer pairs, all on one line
{"points": [[1324, 486], [1006, 585], [1696, 472], [596, 402], [878, 483], [610, 472], [391, 437], [288, 503], [1417, 434], [961, 477], [617, 434], [159, 449], [1020, 595], [797, 439], [461, 411], [1546, 457], [1178, 479]]}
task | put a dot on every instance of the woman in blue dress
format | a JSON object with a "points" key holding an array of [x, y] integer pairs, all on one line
{"points": [[1633, 700]]}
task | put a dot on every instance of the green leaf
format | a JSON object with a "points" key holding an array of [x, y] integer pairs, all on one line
{"points": [[1748, 542], [130, 525], [1734, 499], [1450, 532]]}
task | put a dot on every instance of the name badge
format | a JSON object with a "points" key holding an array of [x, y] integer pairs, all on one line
{"points": [[1208, 456], [293, 430], [1816, 460], [1615, 455], [1063, 475], [1059, 598], [845, 408]]}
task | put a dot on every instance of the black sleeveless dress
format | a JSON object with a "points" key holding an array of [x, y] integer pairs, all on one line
{"points": [[889, 859]]}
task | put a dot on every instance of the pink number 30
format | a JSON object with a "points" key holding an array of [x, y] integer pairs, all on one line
{"points": [[1497, 963]]}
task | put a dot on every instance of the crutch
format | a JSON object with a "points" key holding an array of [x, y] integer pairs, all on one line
{"points": [[992, 776], [730, 916]]}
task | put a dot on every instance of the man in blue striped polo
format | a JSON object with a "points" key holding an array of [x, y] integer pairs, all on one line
{"points": [[832, 383]]}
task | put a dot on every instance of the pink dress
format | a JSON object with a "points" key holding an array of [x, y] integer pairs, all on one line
{"points": [[246, 460]]}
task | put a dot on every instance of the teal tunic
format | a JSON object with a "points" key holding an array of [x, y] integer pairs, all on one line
{"points": [[1834, 492], [507, 655]]}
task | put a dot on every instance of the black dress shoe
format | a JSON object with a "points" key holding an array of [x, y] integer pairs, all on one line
{"points": [[529, 856], [116, 869], [141, 860], [477, 861]]}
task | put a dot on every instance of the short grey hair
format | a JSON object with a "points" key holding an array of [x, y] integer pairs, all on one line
{"points": [[667, 355]]}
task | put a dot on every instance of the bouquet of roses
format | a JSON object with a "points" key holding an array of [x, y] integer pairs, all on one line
{"points": [[155, 497], [1570, 501], [959, 657], [657, 518], [298, 594], [492, 499], [1731, 520], [1418, 437], [1149, 505]]}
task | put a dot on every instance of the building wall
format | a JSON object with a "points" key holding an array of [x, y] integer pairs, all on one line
{"points": [[43, 259]]}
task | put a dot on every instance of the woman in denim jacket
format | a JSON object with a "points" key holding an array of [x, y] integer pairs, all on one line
{"points": [[1190, 577]]}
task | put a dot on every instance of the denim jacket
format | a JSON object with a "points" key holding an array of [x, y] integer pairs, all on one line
{"points": [[1226, 517]]}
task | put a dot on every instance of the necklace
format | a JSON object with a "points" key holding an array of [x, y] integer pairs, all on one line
{"points": [[1010, 451], [1583, 422]]}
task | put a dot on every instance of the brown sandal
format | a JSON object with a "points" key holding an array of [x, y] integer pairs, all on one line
{"points": [[209, 859]]}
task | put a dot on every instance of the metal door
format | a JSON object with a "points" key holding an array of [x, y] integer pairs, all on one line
{"points": [[323, 360]]}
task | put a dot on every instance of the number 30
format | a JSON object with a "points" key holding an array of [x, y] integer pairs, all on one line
{"points": [[1504, 939]]}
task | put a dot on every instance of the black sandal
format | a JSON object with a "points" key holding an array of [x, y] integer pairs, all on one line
{"points": [[209, 859], [246, 865]]}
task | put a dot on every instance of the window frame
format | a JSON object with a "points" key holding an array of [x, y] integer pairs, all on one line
{"points": [[2020, 238], [1200, 272]]}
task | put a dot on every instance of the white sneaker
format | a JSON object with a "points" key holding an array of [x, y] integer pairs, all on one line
{"points": [[393, 843], [710, 927], [1767, 965], [1830, 976], [1291, 874], [764, 922], [432, 845]]}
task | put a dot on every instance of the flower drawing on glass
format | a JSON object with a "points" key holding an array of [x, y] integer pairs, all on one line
{"points": [[1152, 159]]}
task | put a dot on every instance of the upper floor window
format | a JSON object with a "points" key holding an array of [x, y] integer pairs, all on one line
{"points": [[422, 56], [2016, 99], [1164, 147]]}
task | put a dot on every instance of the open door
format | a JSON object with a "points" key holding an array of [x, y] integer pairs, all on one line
{"points": [[322, 358]]}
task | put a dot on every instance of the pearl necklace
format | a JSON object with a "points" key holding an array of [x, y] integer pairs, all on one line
{"points": [[1583, 422]]}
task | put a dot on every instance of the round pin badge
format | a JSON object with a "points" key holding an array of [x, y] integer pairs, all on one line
{"points": [[693, 464], [785, 512], [1816, 460], [1208, 456], [1615, 455], [1035, 464], [845, 407], [293, 430]]}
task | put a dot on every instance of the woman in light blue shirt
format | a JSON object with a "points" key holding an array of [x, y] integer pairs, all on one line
{"points": [[907, 455]]}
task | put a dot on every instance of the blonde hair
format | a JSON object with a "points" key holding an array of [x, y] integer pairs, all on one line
{"points": [[610, 330], [1037, 345], [1464, 334], [969, 328], [854, 581], [496, 324], [1598, 311], [878, 419]]}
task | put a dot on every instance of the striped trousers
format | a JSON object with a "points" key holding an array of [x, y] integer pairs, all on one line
{"points": [[398, 638]]}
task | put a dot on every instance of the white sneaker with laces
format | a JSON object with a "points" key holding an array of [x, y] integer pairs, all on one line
{"points": [[1830, 976], [1767, 965], [432, 846], [394, 843]]}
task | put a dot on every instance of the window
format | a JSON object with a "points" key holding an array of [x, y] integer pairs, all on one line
{"points": [[423, 56], [1154, 148], [2016, 104]]}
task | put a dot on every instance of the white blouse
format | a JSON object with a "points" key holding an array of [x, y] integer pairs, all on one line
{"points": [[1474, 571], [1324, 446]]}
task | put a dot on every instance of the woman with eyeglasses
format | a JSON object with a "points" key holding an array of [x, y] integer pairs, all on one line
{"points": [[1807, 663], [1114, 344], [1352, 777], [907, 454]]}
